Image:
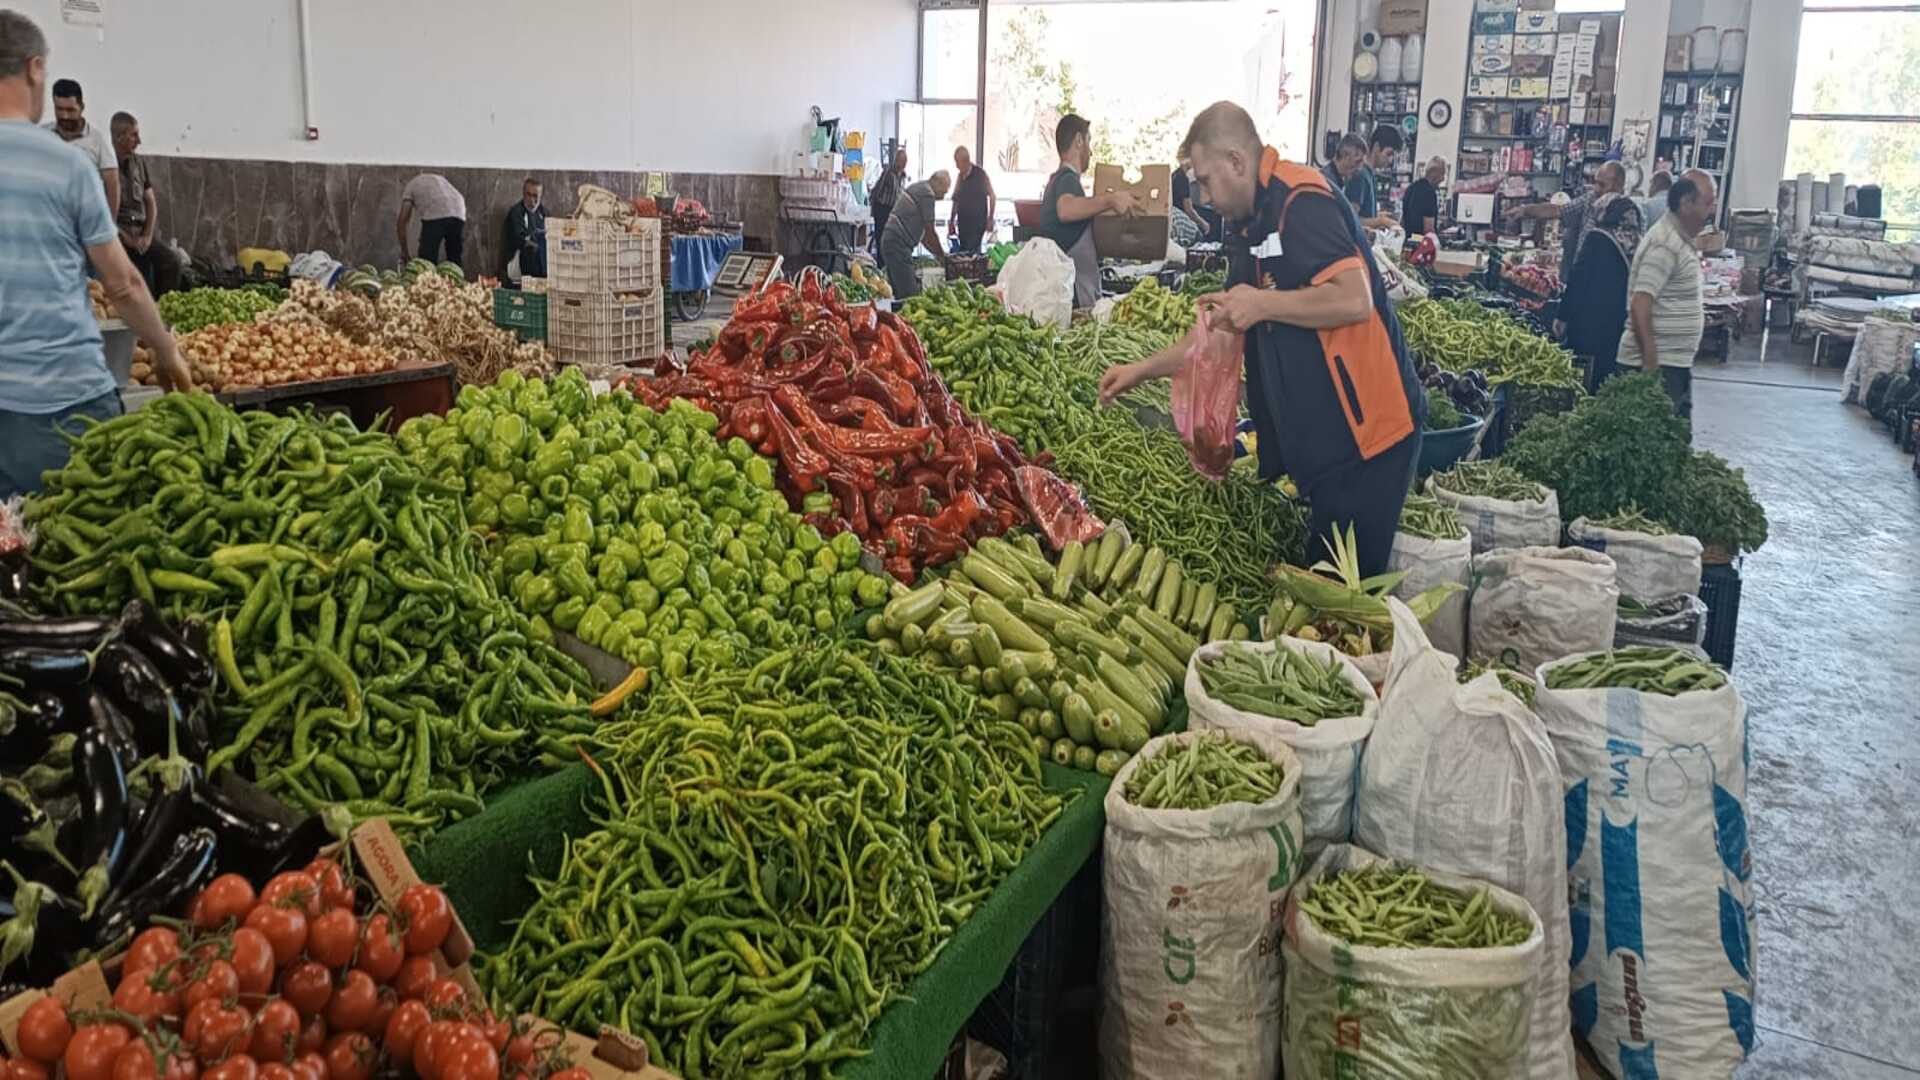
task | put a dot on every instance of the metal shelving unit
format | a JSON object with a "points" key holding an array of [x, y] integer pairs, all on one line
{"points": [[1699, 124], [1376, 103]]}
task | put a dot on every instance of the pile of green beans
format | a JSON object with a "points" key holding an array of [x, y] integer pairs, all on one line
{"points": [[1649, 669], [366, 657], [1391, 906], [1488, 480], [1089, 348], [1632, 519], [1211, 769], [1461, 334], [1281, 683], [1428, 517], [1513, 682], [782, 847]]}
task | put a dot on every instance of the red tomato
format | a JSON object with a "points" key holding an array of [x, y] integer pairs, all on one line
{"points": [[403, 1029], [295, 889], [331, 938], [137, 996], [276, 1031], [285, 929], [415, 977], [432, 1045], [309, 1067], [335, 890], [350, 1056], [45, 1030], [381, 949], [275, 1071], [308, 986], [237, 1067], [135, 1061], [470, 1058], [252, 960], [153, 947], [383, 1007], [427, 916], [446, 994], [228, 896], [223, 1031], [353, 1004], [313, 1036], [219, 982], [91, 1051], [21, 1068], [496, 1032]]}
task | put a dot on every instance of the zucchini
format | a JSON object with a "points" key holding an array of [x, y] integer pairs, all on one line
{"points": [[1204, 602], [1103, 698], [1012, 669], [876, 627], [1027, 692], [1077, 664], [1028, 543], [1085, 757], [1300, 616], [1040, 611], [1003, 705], [1042, 749], [1178, 642], [1133, 734], [951, 624], [1070, 559], [969, 677], [1094, 604], [1014, 634], [1151, 569], [1030, 721], [992, 578], [986, 645], [1276, 616], [1106, 730], [960, 652], [1129, 565], [1092, 642], [1167, 596], [1237, 632], [1108, 762], [1037, 663], [1048, 724], [1131, 690], [915, 607], [1189, 592], [1077, 716], [1057, 692], [1104, 557], [1014, 560], [1151, 648], [1224, 618], [912, 639], [1063, 749], [991, 682]]}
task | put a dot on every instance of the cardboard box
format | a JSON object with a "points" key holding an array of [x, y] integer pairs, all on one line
{"points": [[1536, 22], [1533, 45], [1492, 64], [1143, 236], [1403, 16], [1493, 45], [1487, 86], [1493, 22]]}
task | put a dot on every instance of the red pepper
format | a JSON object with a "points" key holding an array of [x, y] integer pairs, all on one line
{"points": [[887, 388], [848, 440], [846, 492], [862, 321], [958, 515], [801, 461], [810, 289], [884, 505], [932, 479]]}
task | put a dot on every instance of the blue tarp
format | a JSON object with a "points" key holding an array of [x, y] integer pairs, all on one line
{"points": [[697, 259]]}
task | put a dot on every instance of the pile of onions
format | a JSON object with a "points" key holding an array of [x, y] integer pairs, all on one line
{"points": [[269, 353]]}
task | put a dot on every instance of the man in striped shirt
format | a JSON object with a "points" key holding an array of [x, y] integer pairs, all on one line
{"points": [[1663, 291]]}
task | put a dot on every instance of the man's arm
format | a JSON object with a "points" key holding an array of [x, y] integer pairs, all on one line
{"points": [[152, 227], [135, 306], [1340, 300], [931, 238], [110, 179], [1081, 207], [512, 239], [1120, 378], [400, 227], [993, 204], [1640, 308]]}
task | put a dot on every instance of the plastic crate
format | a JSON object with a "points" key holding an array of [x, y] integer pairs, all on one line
{"points": [[1720, 589], [1681, 621], [523, 313], [606, 328], [594, 255], [1524, 404]]}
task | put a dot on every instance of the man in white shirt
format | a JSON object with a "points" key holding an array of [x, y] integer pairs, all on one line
{"points": [[443, 217], [1663, 288], [70, 123]]}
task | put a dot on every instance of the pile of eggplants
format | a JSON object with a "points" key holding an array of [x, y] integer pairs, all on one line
{"points": [[105, 819]]}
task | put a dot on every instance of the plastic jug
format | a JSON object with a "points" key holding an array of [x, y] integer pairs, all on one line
{"points": [[1410, 58], [1390, 51], [1733, 50], [1706, 48]]}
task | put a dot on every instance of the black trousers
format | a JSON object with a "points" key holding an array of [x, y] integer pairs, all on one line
{"points": [[1368, 497], [881, 212], [970, 234], [448, 230]]}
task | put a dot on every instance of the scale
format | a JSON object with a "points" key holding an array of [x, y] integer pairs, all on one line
{"points": [[744, 272]]}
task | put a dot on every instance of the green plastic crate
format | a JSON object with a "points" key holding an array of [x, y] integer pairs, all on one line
{"points": [[524, 313]]}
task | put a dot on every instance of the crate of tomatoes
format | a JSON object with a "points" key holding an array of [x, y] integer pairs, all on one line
{"points": [[346, 969]]}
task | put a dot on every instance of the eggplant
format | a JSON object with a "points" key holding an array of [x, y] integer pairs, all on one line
{"points": [[161, 822], [106, 718], [247, 840], [188, 866], [84, 631], [46, 666], [150, 634], [301, 846], [16, 574], [135, 685], [104, 806]]}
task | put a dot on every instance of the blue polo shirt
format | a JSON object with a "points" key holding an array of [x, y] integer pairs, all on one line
{"points": [[52, 208], [1359, 190]]}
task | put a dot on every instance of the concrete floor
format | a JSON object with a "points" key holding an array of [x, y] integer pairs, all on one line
{"points": [[1828, 659]]}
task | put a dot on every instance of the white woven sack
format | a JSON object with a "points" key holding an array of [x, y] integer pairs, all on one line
{"points": [[1532, 605], [1329, 750], [1355, 1011], [1504, 523], [1660, 877], [1190, 946], [1462, 779], [1646, 566], [1436, 562]]}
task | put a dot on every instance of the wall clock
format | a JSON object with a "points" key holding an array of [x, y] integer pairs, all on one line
{"points": [[1440, 113]]}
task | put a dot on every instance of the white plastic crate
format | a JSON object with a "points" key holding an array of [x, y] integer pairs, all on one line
{"points": [[605, 328], [594, 255]]}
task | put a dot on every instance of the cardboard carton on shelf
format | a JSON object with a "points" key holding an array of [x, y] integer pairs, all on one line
{"points": [[1403, 16], [1143, 236]]}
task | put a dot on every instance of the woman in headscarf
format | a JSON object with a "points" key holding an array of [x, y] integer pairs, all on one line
{"points": [[1594, 304]]}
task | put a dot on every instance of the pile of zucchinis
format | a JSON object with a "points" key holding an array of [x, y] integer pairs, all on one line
{"points": [[1084, 654]]}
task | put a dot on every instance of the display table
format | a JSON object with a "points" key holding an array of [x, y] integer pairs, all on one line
{"points": [[697, 258], [403, 392]]}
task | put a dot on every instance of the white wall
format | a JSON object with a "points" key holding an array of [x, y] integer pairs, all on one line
{"points": [[718, 86], [1443, 77], [1638, 72]]}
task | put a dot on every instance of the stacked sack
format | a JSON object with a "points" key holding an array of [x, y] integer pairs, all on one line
{"points": [[1658, 573]]}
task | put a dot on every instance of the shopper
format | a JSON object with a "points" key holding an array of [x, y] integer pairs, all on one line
{"points": [[70, 123], [1655, 203], [1420, 207], [882, 197], [1067, 211], [138, 215], [1594, 303], [1183, 201], [973, 202], [1665, 308], [1353, 172], [910, 225], [54, 220], [526, 233], [443, 218], [1609, 179], [1329, 383]]}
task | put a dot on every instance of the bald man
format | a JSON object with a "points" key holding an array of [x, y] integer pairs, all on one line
{"points": [[1420, 206], [973, 202], [1664, 307]]}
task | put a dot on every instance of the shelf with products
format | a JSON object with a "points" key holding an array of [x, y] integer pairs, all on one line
{"points": [[1388, 104]]}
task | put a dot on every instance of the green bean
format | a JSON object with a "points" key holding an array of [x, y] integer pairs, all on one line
{"points": [[1631, 519], [1392, 906], [1427, 517], [1279, 682], [1489, 480], [1204, 771], [1649, 669], [1517, 683]]}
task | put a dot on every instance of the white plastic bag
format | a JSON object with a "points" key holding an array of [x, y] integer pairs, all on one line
{"points": [[1535, 604], [1660, 878], [1039, 282], [1190, 946], [1355, 1011], [1504, 523], [1329, 750], [1436, 562], [1462, 779], [1648, 567]]}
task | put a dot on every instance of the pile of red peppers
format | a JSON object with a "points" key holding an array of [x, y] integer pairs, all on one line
{"points": [[844, 399]]}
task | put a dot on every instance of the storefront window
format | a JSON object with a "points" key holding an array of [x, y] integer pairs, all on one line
{"points": [[1857, 109]]}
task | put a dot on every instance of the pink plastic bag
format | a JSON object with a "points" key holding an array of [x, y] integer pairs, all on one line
{"points": [[1206, 397]]}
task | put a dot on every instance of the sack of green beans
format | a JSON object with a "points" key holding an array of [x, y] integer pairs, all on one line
{"points": [[1445, 762], [1329, 741], [1405, 1010], [1535, 604], [1499, 507], [1659, 873], [1189, 955], [1651, 566], [1434, 547]]}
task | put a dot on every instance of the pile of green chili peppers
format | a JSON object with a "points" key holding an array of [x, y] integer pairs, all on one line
{"points": [[1389, 906], [1001, 366], [782, 847], [1091, 347], [1649, 669], [365, 655], [1461, 334]]}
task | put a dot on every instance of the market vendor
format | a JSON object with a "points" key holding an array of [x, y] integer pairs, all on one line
{"points": [[911, 224], [1332, 391], [1353, 172], [138, 214], [1574, 215], [54, 221], [1067, 211], [443, 217], [526, 233], [973, 203]]}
